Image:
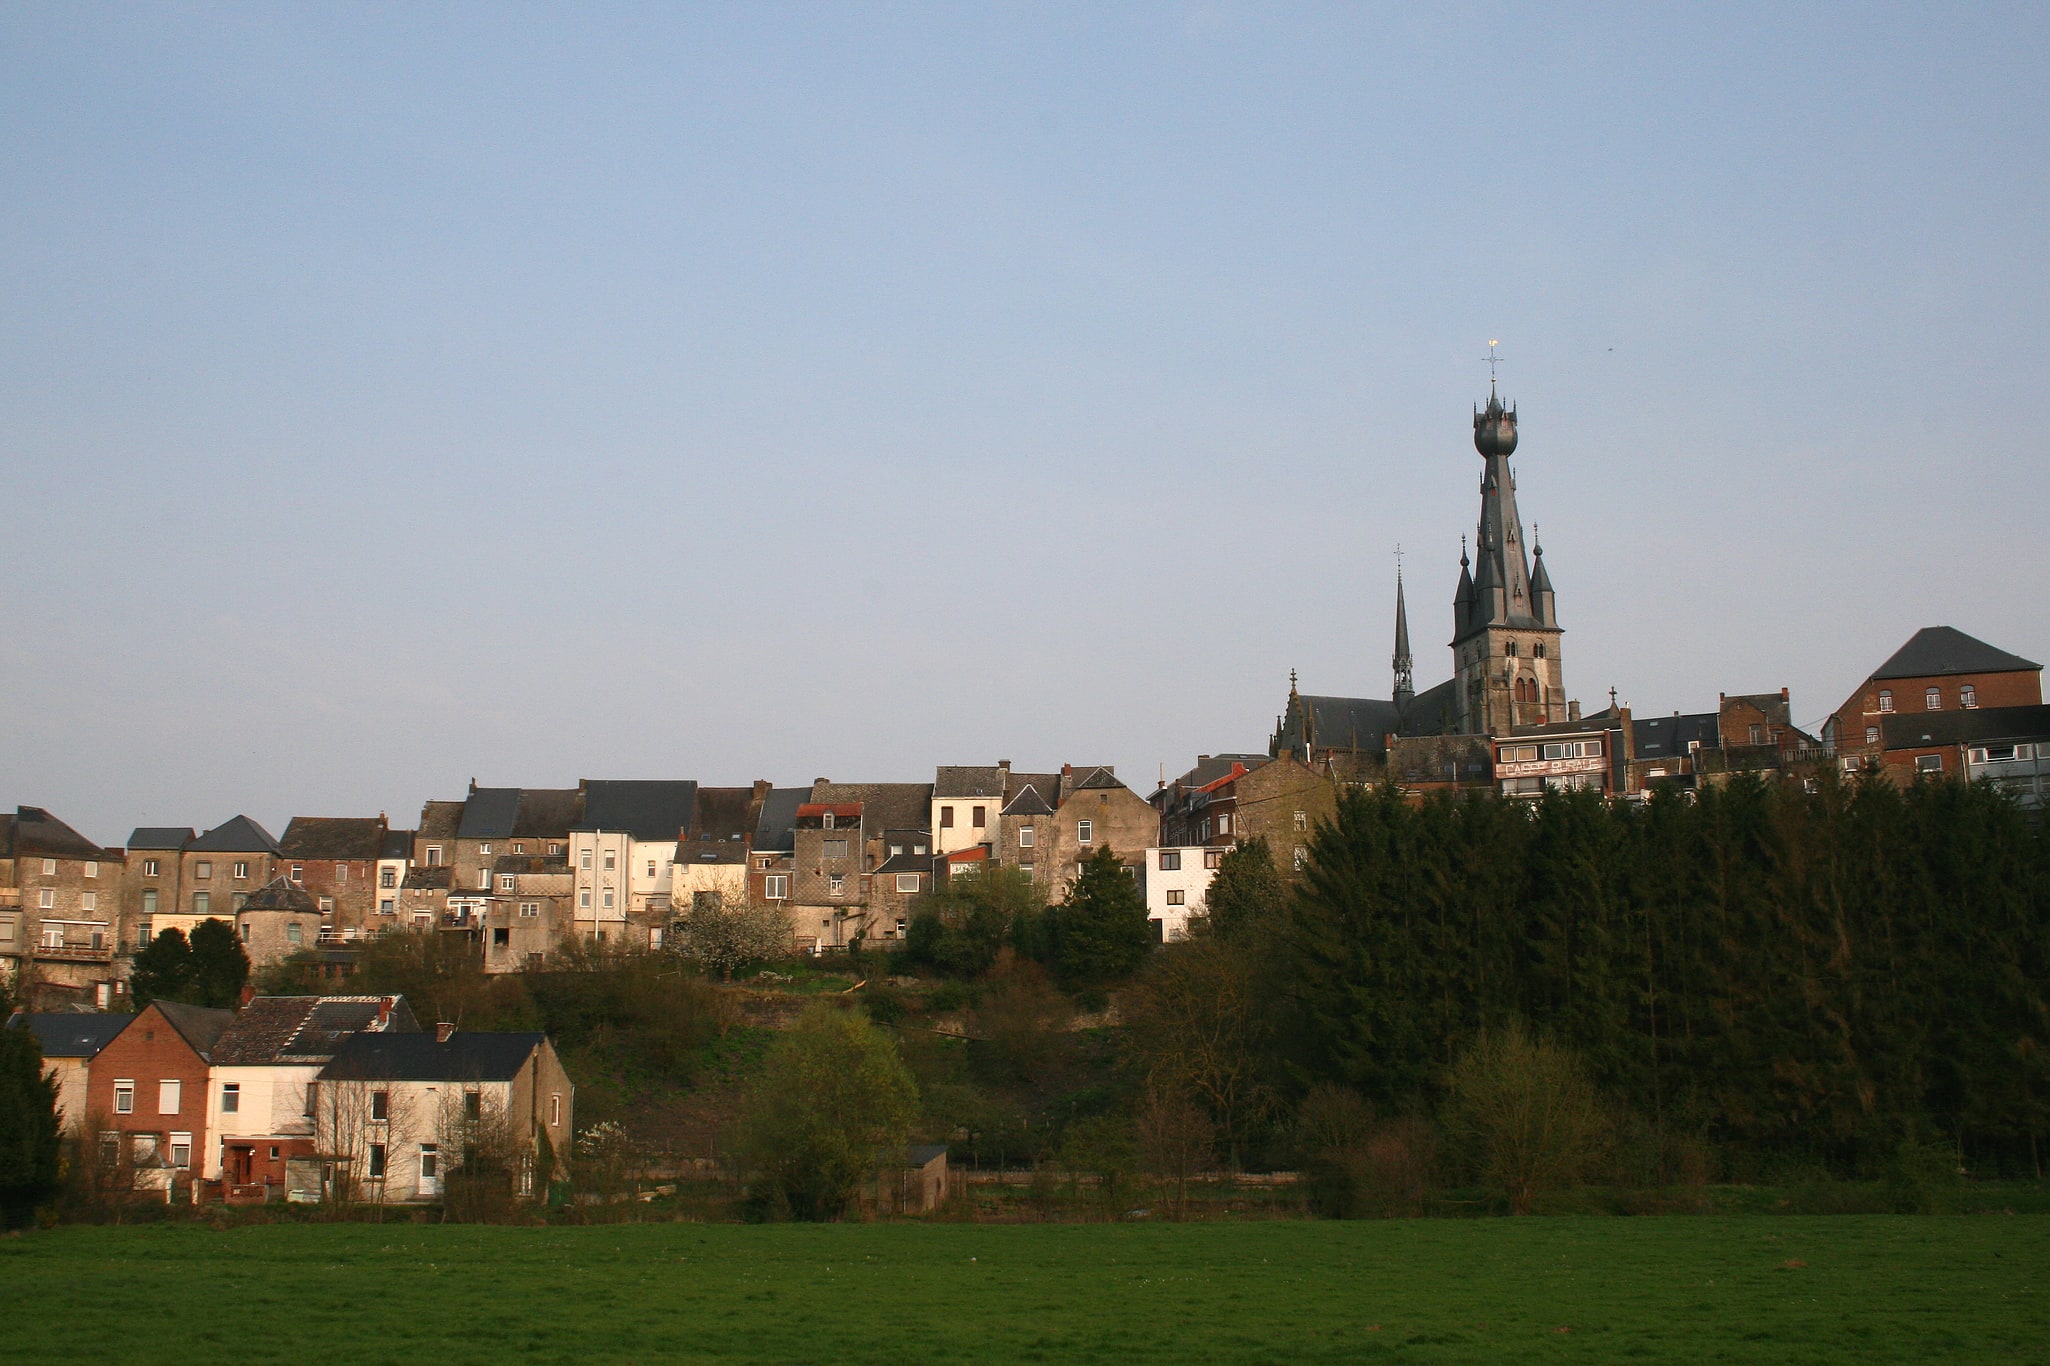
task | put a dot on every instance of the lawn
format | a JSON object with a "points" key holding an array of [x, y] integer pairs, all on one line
{"points": [[1852, 1288]]}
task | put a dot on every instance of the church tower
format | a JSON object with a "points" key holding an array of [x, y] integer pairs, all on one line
{"points": [[1505, 629], [1405, 667]]}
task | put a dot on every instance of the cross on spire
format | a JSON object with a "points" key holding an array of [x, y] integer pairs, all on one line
{"points": [[1492, 358]]}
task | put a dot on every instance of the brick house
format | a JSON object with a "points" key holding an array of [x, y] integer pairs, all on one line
{"points": [[840, 840], [1199, 807], [1939, 669], [146, 1094], [61, 934], [220, 870], [771, 857], [335, 860], [2007, 746], [509, 820]]}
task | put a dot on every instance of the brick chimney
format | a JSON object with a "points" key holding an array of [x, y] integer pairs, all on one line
{"points": [[443, 1032]]}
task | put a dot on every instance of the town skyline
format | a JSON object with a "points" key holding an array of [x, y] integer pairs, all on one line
{"points": [[745, 395]]}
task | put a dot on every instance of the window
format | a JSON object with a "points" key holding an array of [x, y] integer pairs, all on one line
{"points": [[519, 847], [380, 1105], [907, 882], [554, 1109], [946, 818], [241, 899], [1302, 820], [327, 905], [584, 860], [611, 861], [1871, 735], [1176, 897], [1302, 856], [776, 887], [484, 850], [1212, 858], [918, 848], [1758, 735], [833, 848], [92, 869], [387, 906], [149, 901], [1024, 837], [245, 934], [170, 1091], [530, 910], [554, 849], [1085, 832], [473, 1105], [607, 900], [762, 862], [903, 928], [980, 816], [1886, 699], [433, 856], [376, 1162], [1537, 652], [312, 1098], [430, 1163], [242, 869], [505, 882], [1170, 860], [298, 872], [202, 870], [124, 1097], [651, 867], [149, 867], [231, 1098], [6, 931], [1026, 869], [1932, 700], [88, 901], [1509, 650], [387, 878], [1928, 763], [293, 934], [46, 898], [181, 1150], [1224, 822], [584, 899], [836, 884], [49, 867], [501, 937], [201, 902], [827, 822], [341, 874], [1968, 697]]}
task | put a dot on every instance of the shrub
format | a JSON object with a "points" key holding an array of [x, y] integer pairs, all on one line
{"points": [[1528, 1112]]}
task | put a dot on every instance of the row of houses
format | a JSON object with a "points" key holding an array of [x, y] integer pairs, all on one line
{"points": [[304, 1099]]}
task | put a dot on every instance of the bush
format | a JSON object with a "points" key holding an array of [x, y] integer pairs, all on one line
{"points": [[1528, 1113]]}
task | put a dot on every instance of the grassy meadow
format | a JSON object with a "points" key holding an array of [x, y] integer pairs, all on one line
{"points": [[1852, 1289]]}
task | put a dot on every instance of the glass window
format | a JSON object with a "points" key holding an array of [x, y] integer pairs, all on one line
{"points": [[1024, 837], [231, 1097], [1932, 700], [201, 903], [1175, 897], [124, 1097], [1170, 860], [1968, 696], [170, 1091], [376, 1169], [907, 882], [1085, 832], [1886, 699], [1871, 735]]}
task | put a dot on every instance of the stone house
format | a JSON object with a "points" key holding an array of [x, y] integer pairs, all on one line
{"points": [[260, 1101], [423, 897], [1201, 806], [335, 859], [219, 871], [841, 838], [528, 912], [146, 1093], [151, 879], [1095, 810], [404, 1112], [61, 933], [771, 858], [278, 920], [434, 843], [508, 820], [714, 850]]}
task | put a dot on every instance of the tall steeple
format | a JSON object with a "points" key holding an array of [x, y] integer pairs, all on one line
{"points": [[1405, 667], [1505, 632]]}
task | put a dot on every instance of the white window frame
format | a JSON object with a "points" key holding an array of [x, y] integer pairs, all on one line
{"points": [[170, 1095], [776, 887], [124, 1096], [92, 868], [505, 882], [1025, 837], [1085, 831], [231, 1097], [181, 1150], [907, 882]]}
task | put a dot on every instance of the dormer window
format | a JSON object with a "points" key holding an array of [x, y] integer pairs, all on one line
{"points": [[828, 821]]}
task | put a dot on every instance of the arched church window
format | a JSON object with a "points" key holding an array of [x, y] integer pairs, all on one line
{"points": [[1509, 650], [1537, 652]]}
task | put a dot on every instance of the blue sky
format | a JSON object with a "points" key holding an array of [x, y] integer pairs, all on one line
{"points": [[395, 395]]}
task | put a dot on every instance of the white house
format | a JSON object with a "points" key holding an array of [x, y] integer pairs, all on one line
{"points": [[623, 856], [1177, 881]]}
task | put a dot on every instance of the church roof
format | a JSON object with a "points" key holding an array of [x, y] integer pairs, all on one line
{"points": [[1937, 650]]}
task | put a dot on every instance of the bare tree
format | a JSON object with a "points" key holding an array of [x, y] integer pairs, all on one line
{"points": [[1175, 1137], [359, 1129], [1197, 1023], [485, 1165]]}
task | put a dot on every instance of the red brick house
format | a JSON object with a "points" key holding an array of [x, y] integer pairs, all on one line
{"points": [[147, 1090], [1939, 669]]}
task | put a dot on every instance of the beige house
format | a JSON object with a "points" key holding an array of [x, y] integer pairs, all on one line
{"points": [[70, 1041]]}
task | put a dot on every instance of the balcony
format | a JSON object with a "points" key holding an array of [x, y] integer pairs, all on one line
{"points": [[73, 953]]}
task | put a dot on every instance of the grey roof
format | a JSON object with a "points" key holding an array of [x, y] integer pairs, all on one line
{"points": [[67, 1035], [280, 894], [1360, 723], [1028, 801], [1085, 778], [1937, 650], [198, 1025], [417, 1057], [333, 837], [440, 820], [1662, 737], [1776, 706], [397, 844], [32, 830], [918, 1154], [161, 837], [775, 828], [906, 863], [548, 813], [299, 1029], [488, 813], [647, 810], [961, 780], [238, 836], [1210, 767], [884, 806], [1923, 729], [421, 877], [1431, 712]]}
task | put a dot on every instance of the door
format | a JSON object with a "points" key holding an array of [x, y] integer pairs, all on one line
{"points": [[430, 1171]]}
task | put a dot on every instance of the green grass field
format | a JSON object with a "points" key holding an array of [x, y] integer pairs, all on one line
{"points": [[1851, 1289]]}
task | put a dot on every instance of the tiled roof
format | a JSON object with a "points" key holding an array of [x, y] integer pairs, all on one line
{"points": [[280, 894], [32, 830], [884, 806], [333, 837], [1028, 801], [440, 820], [421, 877], [951, 781], [289, 1029]]}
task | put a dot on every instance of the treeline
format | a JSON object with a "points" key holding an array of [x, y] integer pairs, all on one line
{"points": [[1827, 973]]}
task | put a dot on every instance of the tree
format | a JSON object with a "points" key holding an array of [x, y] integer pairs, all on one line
{"points": [[1529, 1111], [832, 1106], [962, 929], [723, 937], [1196, 1021], [162, 969], [29, 1139], [1246, 895], [1100, 931], [210, 969], [1175, 1138]]}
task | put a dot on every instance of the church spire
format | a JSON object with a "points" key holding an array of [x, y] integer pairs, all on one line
{"points": [[1405, 667]]}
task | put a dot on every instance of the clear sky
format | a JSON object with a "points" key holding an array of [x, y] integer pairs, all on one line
{"points": [[392, 395]]}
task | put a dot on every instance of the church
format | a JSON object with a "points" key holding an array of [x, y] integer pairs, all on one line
{"points": [[1507, 661]]}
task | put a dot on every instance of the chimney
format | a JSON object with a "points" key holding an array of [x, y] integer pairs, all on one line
{"points": [[1573, 710], [443, 1032], [384, 1005]]}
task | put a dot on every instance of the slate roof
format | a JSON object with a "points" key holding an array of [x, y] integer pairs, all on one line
{"points": [[1775, 705], [884, 806], [1924, 729], [1665, 737], [1362, 723], [397, 844], [417, 1057], [721, 824], [280, 894], [238, 836], [440, 820], [32, 830], [333, 837], [301, 1029], [161, 837], [1028, 801], [647, 810], [1431, 711], [775, 828], [1212, 767], [68, 1035], [906, 863], [1937, 650], [197, 1025], [550, 813], [1088, 778], [959, 780], [488, 813]]}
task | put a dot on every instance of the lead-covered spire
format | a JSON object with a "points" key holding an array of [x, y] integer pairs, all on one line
{"points": [[1405, 667]]}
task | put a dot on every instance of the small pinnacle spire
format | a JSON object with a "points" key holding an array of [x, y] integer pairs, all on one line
{"points": [[1291, 683], [1463, 561]]}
